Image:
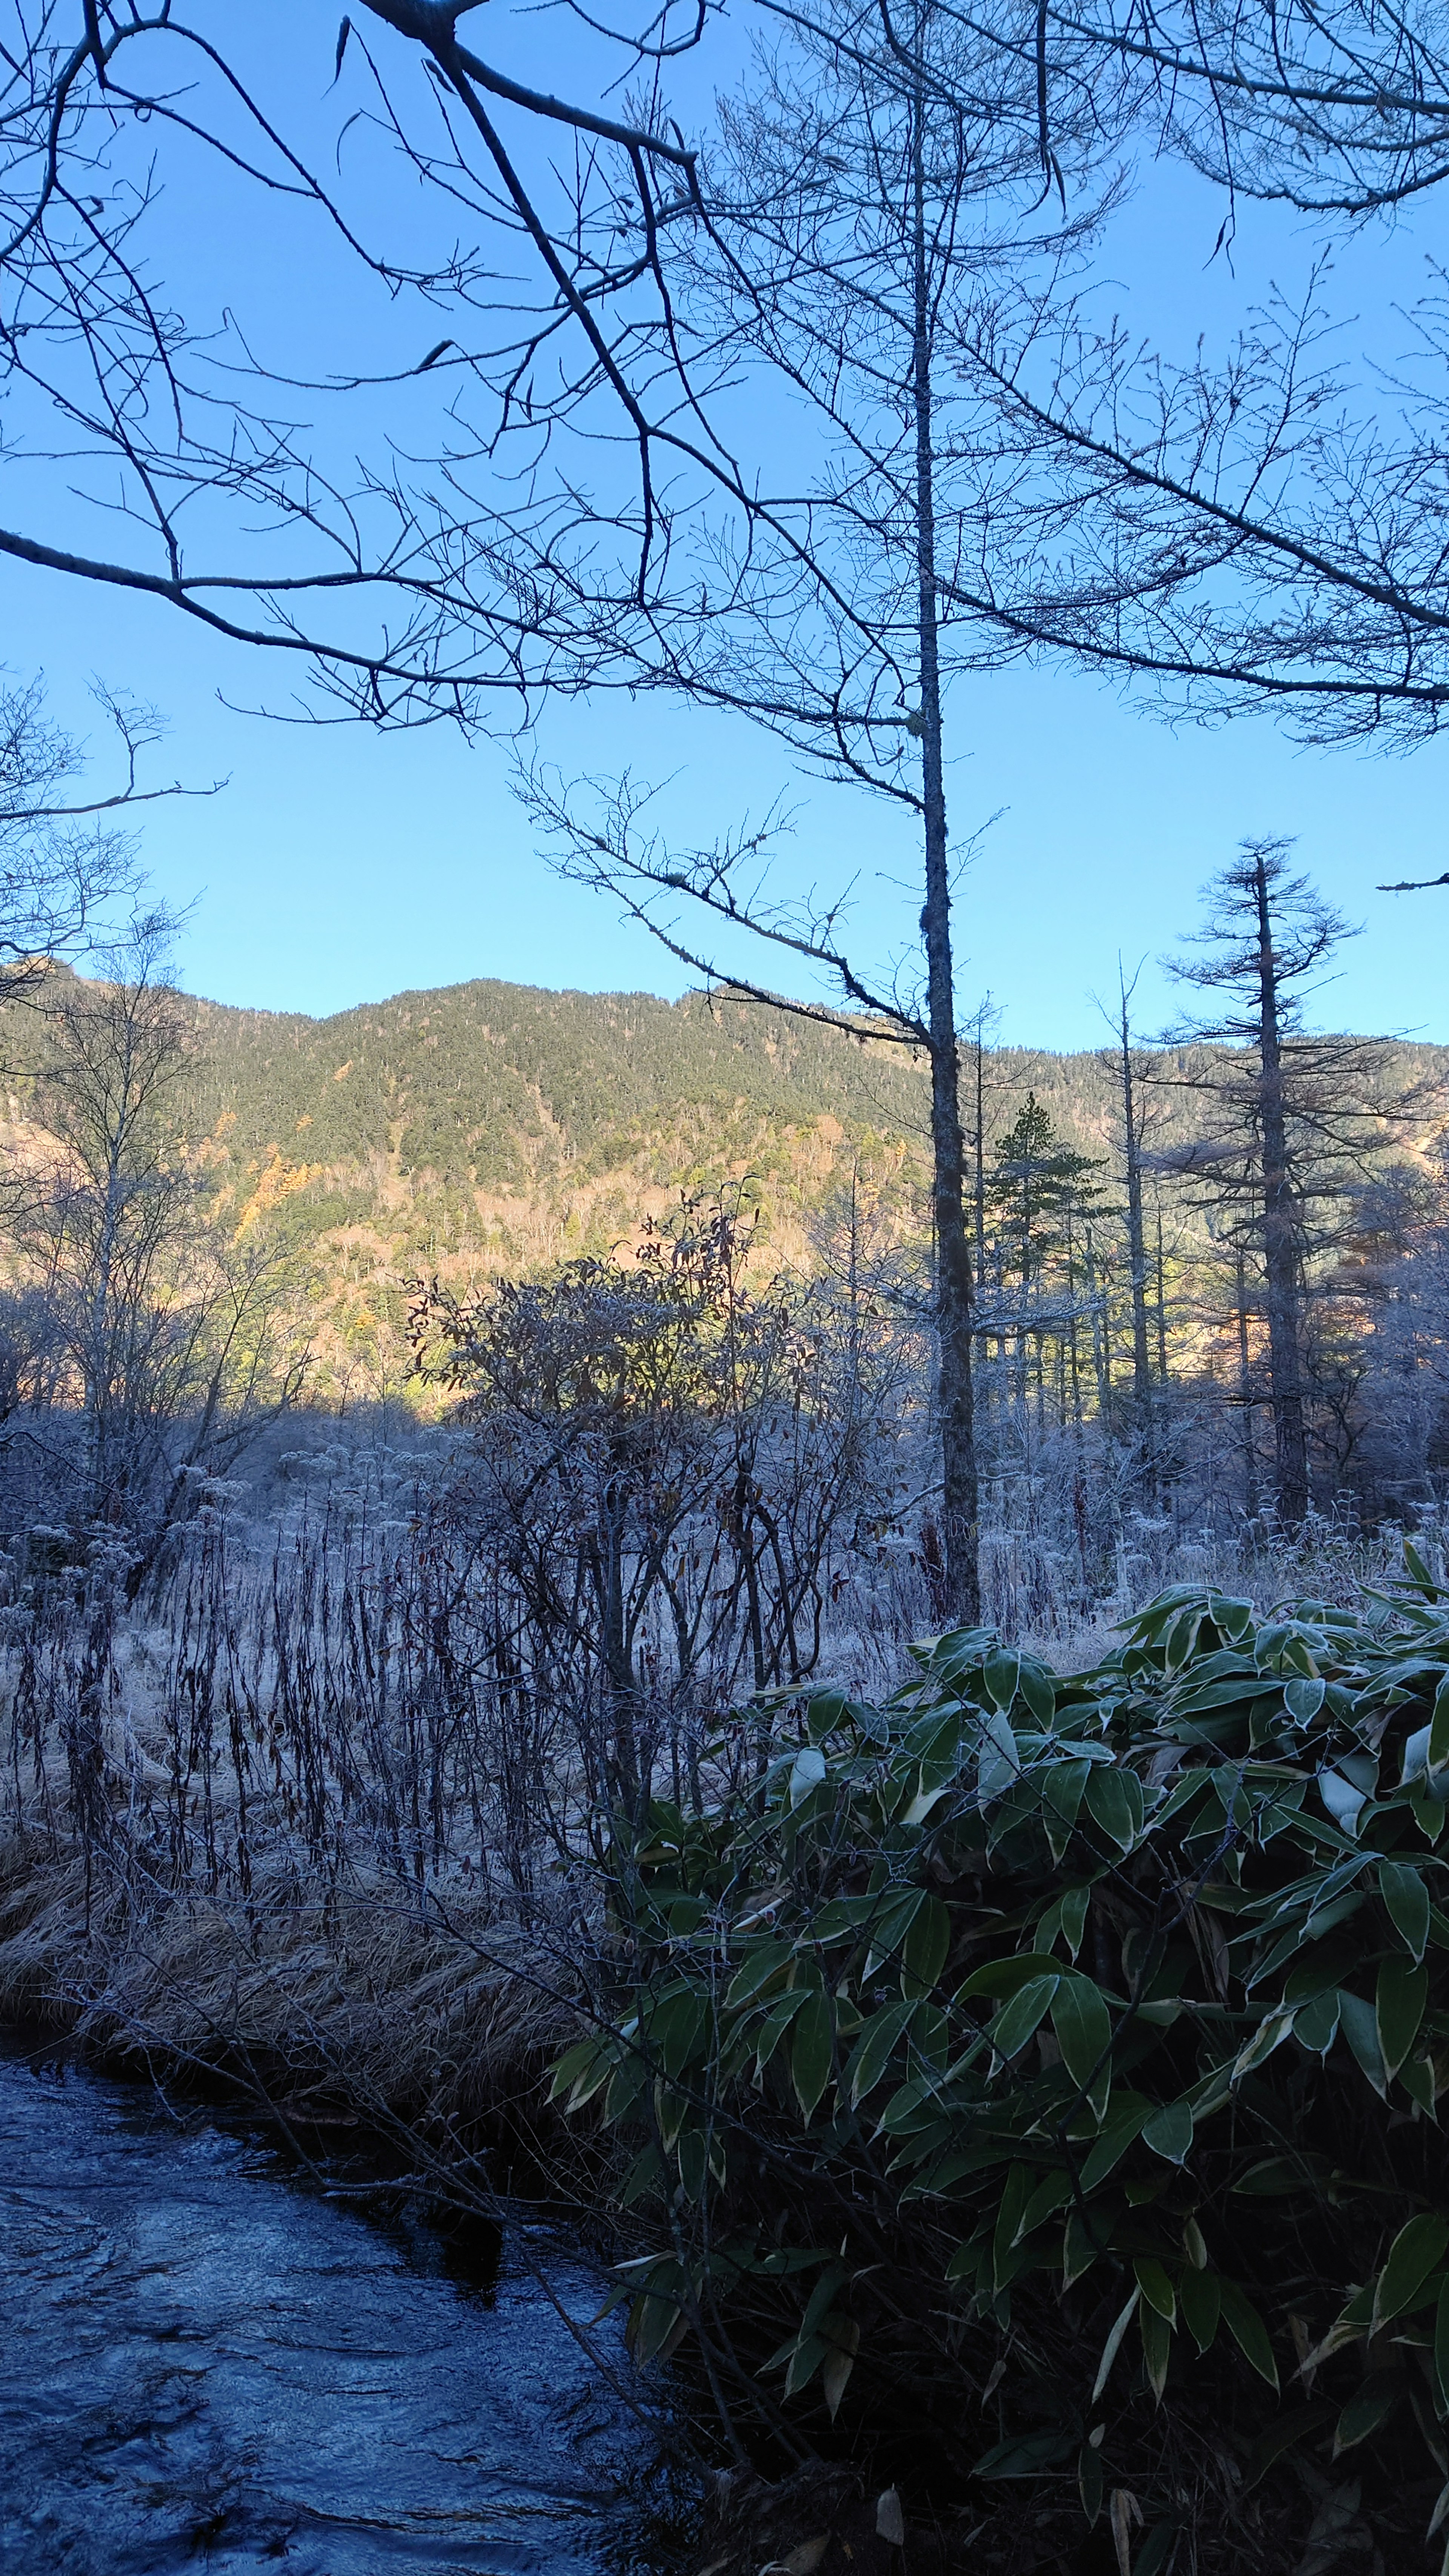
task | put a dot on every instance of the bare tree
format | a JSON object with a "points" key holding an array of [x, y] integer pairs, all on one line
{"points": [[64, 857], [169, 1342], [856, 216]]}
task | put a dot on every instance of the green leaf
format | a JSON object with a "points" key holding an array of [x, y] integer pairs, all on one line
{"points": [[1438, 1752], [1247, 2330], [1303, 1698], [757, 1972], [1025, 2455], [1419, 1573], [812, 2049], [1364, 2414], [1089, 2481], [1083, 2027], [879, 2038], [1064, 1786], [1417, 2078], [1407, 1900], [1169, 2132], [1413, 2255], [927, 1944], [1017, 2021], [1038, 1688], [1156, 2333], [582, 2071], [1005, 1976], [1316, 2023], [1001, 1673], [1360, 2028], [1118, 2133], [1155, 2285], [1399, 2001], [1065, 1919], [1080, 2248], [1109, 1802], [1201, 2295]]}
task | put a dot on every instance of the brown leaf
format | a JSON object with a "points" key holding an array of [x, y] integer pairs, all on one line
{"points": [[1124, 2510]]}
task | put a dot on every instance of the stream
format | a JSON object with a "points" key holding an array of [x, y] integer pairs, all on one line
{"points": [[208, 2364]]}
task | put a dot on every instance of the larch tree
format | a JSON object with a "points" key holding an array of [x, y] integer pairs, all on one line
{"points": [[857, 214], [1291, 1125]]}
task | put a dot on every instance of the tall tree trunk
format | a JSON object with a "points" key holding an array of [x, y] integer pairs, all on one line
{"points": [[1245, 1395], [1136, 1236], [954, 1299], [1280, 1232]]}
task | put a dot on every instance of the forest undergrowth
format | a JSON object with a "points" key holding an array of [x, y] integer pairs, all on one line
{"points": [[304, 1819]]}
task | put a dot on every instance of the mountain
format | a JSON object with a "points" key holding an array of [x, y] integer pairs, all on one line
{"points": [[491, 1128]]}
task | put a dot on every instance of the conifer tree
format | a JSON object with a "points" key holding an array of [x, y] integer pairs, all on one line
{"points": [[1291, 1125]]}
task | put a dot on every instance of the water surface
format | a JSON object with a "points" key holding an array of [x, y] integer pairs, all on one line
{"points": [[204, 2365]]}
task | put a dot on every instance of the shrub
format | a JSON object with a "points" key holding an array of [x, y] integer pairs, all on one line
{"points": [[1046, 2066]]}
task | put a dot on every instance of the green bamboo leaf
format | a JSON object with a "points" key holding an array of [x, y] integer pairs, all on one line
{"points": [[1004, 1976], [1001, 1673], [927, 1944], [1109, 1802], [774, 2026], [808, 2353], [1156, 2333], [1417, 2078], [1365, 2414], [582, 2071], [1441, 2352], [1303, 1698], [1316, 2023], [1089, 2481], [1360, 2028], [1201, 2294], [1080, 2248], [812, 2050], [1169, 2132], [1248, 2331], [879, 2038], [1061, 1800], [1118, 2132], [1419, 1573], [1155, 2284], [1038, 1688], [1437, 1755], [1413, 2255], [1399, 2001], [1018, 2021], [1083, 2027], [1407, 1900], [757, 1972]]}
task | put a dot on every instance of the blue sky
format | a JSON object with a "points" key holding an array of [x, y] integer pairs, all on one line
{"points": [[338, 866]]}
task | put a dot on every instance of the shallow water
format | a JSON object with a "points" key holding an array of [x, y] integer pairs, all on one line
{"points": [[205, 2365]]}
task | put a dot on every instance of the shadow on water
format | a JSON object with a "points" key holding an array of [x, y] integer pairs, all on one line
{"points": [[207, 2363]]}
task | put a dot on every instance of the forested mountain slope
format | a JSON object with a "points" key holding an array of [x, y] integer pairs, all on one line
{"points": [[492, 1128]]}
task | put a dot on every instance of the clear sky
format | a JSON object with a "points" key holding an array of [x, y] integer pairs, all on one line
{"points": [[337, 866]]}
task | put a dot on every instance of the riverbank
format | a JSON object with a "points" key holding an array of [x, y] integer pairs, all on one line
{"points": [[349, 2021], [436, 2014]]}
